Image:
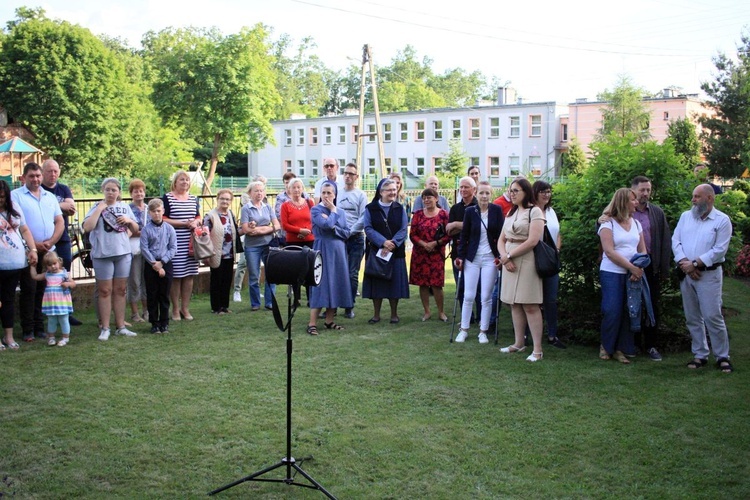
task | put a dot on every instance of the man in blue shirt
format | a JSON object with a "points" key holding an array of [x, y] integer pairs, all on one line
{"points": [[50, 174], [45, 221]]}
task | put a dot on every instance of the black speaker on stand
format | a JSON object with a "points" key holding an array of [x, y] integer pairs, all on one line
{"points": [[292, 266]]}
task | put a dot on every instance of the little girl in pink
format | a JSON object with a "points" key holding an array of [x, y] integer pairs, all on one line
{"points": [[57, 303]]}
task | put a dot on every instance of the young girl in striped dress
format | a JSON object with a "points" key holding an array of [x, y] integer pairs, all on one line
{"points": [[57, 303]]}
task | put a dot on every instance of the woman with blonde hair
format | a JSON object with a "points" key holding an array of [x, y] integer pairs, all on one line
{"points": [[401, 196], [621, 237], [258, 225], [182, 212]]}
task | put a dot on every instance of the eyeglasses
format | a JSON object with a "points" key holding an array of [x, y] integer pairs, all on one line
{"points": [[545, 193], [327, 165], [514, 191], [354, 174]]}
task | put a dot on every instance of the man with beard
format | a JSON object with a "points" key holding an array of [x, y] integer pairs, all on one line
{"points": [[657, 237], [699, 243]]}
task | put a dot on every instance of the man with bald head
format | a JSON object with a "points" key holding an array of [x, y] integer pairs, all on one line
{"points": [[699, 243], [432, 182]]}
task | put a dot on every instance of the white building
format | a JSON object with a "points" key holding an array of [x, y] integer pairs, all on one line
{"points": [[503, 140]]}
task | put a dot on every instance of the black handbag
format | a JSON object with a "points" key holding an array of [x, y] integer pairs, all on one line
{"points": [[546, 256], [377, 268]]}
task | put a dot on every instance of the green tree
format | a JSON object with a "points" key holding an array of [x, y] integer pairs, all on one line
{"points": [[579, 202], [624, 112], [68, 88], [727, 135], [455, 163], [302, 79], [219, 89], [574, 160], [687, 145]]}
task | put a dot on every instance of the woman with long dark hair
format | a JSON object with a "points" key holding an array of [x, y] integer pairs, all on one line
{"points": [[543, 195], [13, 258], [386, 227]]}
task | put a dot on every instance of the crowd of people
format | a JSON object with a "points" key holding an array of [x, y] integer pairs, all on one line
{"points": [[147, 255]]}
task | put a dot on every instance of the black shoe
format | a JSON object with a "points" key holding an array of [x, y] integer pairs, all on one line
{"points": [[73, 321], [40, 335], [556, 342], [164, 329], [349, 313], [155, 329]]}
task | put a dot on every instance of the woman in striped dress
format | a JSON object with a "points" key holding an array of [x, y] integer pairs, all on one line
{"points": [[181, 212]]}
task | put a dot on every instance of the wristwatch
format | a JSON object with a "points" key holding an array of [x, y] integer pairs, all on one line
{"points": [[695, 264]]}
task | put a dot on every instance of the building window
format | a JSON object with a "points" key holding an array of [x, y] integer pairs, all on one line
{"points": [[474, 161], [327, 135], [300, 168], [386, 132], [355, 133], [437, 164], [666, 116], [371, 133], [342, 163], [515, 126], [403, 164], [437, 130], [300, 137], [313, 136], [536, 125], [288, 163], [514, 165], [342, 134], [419, 129], [420, 166], [403, 134], [388, 167], [494, 128], [494, 166], [456, 128], [287, 137], [474, 126], [535, 165], [371, 166], [314, 168], [564, 132]]}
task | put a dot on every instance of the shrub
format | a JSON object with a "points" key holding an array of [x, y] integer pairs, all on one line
{"points": [[742, 267]]}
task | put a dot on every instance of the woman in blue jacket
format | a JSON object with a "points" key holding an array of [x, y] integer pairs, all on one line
{"points": [[477, 254]]}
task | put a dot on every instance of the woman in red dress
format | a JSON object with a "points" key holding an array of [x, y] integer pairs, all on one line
{"points": [[428, 255]]}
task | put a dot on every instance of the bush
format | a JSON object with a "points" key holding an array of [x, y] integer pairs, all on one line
{"points": [[579, 202], [743, 262]]}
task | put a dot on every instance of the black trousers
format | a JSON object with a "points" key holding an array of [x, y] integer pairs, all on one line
{"points": [[646, 338], [157, 294], [8, 283], [222, 280], [30, 302]]}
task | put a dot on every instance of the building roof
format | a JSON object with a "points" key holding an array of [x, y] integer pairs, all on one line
{"points": [[18, 145]]}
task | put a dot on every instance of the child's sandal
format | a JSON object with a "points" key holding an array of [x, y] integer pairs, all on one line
{"points": [[312, 330], [333, 326]]}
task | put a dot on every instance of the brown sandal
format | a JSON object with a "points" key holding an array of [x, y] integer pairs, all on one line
{"points": [[333, 326], [312, 330]]}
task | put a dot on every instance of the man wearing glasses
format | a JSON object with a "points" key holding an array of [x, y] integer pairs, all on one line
{"points": [[331, 168], [353, 201]]}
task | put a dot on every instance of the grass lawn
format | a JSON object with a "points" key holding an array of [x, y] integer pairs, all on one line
{"points": [[388, 411]]}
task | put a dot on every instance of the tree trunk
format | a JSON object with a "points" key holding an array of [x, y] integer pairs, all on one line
{"points": [[212, 166]]}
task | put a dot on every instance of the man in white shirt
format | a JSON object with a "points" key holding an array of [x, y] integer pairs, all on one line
{"points": [[331, 168], [353, 201], [45, 221], [699, 243]]}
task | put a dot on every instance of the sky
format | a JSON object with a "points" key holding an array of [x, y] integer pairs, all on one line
{"points": [[548, 51]]}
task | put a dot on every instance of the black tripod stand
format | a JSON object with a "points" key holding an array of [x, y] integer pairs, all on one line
{"points": [[288, 461]]}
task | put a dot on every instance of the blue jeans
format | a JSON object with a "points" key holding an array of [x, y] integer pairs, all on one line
{"points": [[616, 334], [253, 256], [355, 250], [550, 286]]}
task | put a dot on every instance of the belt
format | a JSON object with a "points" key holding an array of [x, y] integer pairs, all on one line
{"points": [[514, 240], [356, 235], [710, 268]]}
